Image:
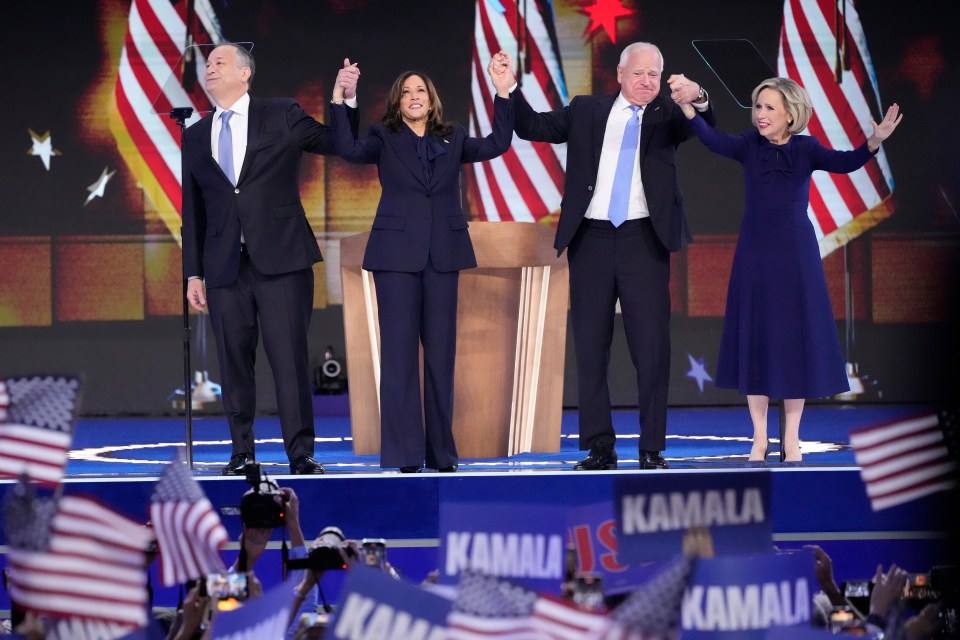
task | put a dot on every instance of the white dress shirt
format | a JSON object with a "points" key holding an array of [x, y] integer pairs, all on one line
{"points": [[609, 154], [239, 123]]}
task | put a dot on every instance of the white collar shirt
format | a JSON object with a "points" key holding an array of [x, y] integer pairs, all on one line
{"points": [[609, 154], [239, 125]]}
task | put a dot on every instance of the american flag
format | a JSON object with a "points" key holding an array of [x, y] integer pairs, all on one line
{"points": [[525, 183], [37, 415], [151, 81], [653, 611], [76, 559], [489, 607], [905, 459], [189, 532], [823, 48]]}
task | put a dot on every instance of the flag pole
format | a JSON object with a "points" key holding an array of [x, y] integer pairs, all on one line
{"points": [[181, 114]]}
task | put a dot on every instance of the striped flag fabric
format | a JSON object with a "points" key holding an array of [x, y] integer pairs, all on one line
{"points": [[37, 416], [824, 49], [652, 612], [154, 76], [75, 559], [188, 529], [905, 459], [488, 607], [525, 183]]}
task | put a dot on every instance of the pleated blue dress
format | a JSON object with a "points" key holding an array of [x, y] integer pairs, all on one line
{"points": [[779, 334]]}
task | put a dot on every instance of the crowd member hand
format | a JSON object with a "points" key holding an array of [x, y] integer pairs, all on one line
{"points": [[291, 514], [32, 627], [254, 542], [886, 127], [925, 624], [698, 543], [823, 567], [195, 610], [501, 73], [888, 589], [345, 86]]}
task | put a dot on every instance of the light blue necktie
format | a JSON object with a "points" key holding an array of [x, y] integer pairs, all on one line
{"points": [[225, 146], [620, 195]]}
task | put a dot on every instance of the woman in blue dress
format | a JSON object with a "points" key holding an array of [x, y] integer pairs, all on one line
{"points": [[779, 336]]}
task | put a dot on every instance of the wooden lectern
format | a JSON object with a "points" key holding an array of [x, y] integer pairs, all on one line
{"points": [[511, 337]]}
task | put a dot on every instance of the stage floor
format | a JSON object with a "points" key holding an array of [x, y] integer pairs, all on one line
{"points": [[697, 439]]}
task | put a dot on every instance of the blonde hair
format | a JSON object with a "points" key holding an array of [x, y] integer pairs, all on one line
{"points": [[796, 101]]}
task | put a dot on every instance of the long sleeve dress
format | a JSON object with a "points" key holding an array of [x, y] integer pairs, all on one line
{"points": [[779, 335]]}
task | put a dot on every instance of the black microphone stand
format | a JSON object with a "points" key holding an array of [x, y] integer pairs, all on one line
{"points": [[181, 114]]}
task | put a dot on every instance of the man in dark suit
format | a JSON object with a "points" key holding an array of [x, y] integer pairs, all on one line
{"points": [[619, 221], [248, 250]]}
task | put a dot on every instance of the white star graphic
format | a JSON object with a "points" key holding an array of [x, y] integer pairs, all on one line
{"points": [[97, 188], [698, 372], [43, 147]]}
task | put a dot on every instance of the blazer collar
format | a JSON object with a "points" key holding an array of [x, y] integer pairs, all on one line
{"points": [[254, 132]]}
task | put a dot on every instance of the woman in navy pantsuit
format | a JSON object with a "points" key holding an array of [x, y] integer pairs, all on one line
{"points": [[417, 246]]}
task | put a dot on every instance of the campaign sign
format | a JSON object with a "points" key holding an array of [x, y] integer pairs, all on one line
{"points": [[522, 543], [153, 631], [263, 617], [740, 597], [593, 531], [374, 605], [800, 633], [653, 516]]}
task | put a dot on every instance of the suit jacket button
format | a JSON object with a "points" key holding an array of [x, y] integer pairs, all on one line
{"points": [[428, 194], [236, 190], [590, 188]]}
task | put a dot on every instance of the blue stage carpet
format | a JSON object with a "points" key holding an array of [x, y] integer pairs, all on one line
{"points": [[697, 438]]}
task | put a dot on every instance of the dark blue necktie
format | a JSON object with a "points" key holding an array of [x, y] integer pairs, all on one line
{"points": [[225, 147], [622, 178]]}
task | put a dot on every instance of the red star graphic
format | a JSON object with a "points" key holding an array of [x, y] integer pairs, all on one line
{"points": [[604, 13]]}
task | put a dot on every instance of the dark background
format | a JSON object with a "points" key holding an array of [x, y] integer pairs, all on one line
{"points": [[57, 59]]}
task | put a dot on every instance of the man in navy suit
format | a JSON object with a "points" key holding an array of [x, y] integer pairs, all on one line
{"points": [[248, 250], [618, 231]]}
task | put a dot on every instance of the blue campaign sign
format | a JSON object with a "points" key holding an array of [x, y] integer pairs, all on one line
{"points": [[593, 532], [652, 517], [263, 617], [522, 543], [741, 597], [375, 605]]}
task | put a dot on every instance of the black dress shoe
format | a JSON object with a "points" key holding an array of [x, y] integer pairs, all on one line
{"points": [[652, 460], [237, 465], [305, 466], [411, 469], [452, 468], [601, 456]]}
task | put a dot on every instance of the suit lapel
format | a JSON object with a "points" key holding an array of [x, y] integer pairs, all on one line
{"points": [[444, 161], [403, 145], [600, 114], [255, 124], [653, 114]]}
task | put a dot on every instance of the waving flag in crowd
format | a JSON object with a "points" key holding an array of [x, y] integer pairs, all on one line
{"points": [[73, 558], [525, 183], [189, 532], [823, 48], [905, 459], [154, 77], [37, 416]]}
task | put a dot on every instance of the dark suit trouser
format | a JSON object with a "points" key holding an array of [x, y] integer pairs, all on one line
{"points": [[279, 308], [415, 308], [631, 264]]}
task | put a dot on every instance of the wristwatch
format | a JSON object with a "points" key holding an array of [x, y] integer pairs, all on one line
{"points": [[701, 96]]}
